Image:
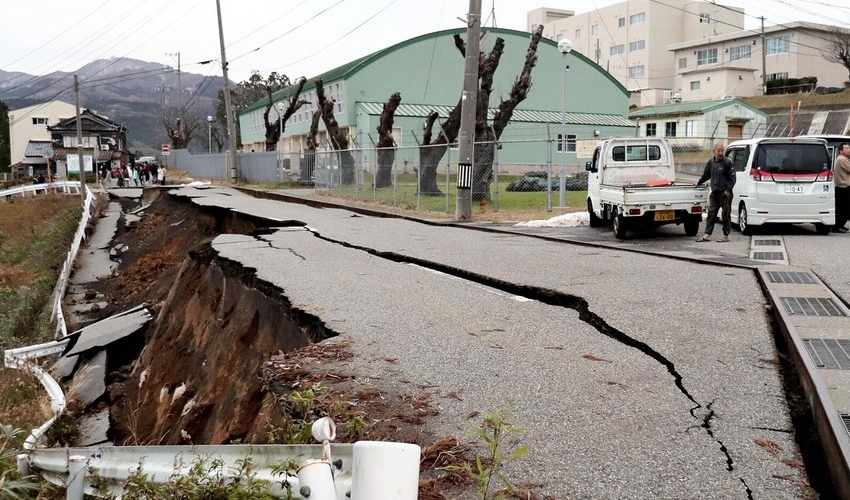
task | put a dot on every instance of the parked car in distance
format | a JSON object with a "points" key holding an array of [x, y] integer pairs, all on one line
{"points": [[782, 180], [150, 160]]}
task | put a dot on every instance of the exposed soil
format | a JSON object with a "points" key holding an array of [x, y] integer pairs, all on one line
{"points": [[228, 359]]}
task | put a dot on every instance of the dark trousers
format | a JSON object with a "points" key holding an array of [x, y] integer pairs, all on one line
{"points": [[842, 205], [716, 201]]}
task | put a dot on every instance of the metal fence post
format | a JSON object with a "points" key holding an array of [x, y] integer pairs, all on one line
{"points": [[448, 171], [548, 169], [495, 171], [76, 477]]}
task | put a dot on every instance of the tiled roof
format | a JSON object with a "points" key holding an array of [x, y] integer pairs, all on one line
{"points": [[39, 149], [519, 115]]}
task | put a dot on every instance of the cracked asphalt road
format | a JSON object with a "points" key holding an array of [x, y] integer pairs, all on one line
{"points": [[634, 376]]}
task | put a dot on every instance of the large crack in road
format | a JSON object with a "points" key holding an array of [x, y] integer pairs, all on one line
{"points": [[558, 299]]}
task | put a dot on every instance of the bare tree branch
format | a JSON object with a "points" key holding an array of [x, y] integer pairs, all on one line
{"points": [[520, 88]]}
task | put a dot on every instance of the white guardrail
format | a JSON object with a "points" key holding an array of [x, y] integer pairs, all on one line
{"points": [[36, 189], [62, 282]]}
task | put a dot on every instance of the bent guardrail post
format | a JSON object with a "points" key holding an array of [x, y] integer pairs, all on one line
{"points": [[76, 477]]}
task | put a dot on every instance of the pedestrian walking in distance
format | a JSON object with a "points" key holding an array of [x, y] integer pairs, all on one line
{"points": [[722, 174]]}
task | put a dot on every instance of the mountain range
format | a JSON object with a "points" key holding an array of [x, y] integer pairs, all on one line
{"points": [[134, 93]]}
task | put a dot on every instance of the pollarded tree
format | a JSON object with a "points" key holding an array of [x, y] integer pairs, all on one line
{"points": [[338, 137], [246, 93], [386, 143], [312, 144], [838, 47], [275, 128], [432, 150]]}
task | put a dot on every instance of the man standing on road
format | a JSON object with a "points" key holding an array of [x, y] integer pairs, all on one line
{"points": [[842, 188], [722, 174]]}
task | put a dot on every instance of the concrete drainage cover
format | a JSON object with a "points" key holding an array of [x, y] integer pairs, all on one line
{"points": [[811, 306], [798, 278], [767, 243], [768, 248], [831, 354], [768, 255]]}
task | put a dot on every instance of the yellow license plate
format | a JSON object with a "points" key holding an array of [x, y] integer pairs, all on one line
{"points": [[665, 215]]}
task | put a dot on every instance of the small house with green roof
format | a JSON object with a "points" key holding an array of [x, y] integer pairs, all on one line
{"points": [[695, 125], [428, 73]]}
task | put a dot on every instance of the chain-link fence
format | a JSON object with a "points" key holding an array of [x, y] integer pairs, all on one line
{"points": [[424, 178]]}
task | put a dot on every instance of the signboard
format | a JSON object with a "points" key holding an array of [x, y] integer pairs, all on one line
{"points": [[73, 161], [166, 150], [585, 148]]}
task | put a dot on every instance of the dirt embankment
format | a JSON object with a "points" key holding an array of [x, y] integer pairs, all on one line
{"points": [[226, 355]]}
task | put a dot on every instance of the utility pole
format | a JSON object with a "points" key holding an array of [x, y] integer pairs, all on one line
{"points": [[763, 60], [80, 140], [180, 124], [469, 99], [228, 106]]}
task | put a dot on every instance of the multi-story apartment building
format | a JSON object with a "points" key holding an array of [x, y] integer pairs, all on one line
{"points": [[631, 40], [30, 124], [737, 64]]}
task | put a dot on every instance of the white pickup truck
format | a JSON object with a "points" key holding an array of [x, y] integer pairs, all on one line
{"points": [[632, 182]]}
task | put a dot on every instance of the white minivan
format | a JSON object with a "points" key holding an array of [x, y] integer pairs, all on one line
{"points": [[782, 180]]}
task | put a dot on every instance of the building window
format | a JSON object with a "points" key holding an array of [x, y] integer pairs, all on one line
{"points": [[707, 56], [621, 22], [691, 128], [778, 45], [683, 62], [637, 45], [70, 141], [594, 29], [670, 129], [637, 18], [705, 18], [695, 85], [777, 76], [617, 49], [637, 71], [39, 121], [740, 52], [571, 143], [578, 33], [651, 129]]}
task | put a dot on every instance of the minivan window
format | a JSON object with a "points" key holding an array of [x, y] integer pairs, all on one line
{"points": [[792, 158], [739, 157]]}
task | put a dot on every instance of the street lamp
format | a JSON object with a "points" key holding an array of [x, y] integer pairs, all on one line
{"points": [[565, 46], [209, 140]]}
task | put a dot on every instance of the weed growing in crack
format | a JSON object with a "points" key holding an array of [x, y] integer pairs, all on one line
{"points": [[502, 447]]}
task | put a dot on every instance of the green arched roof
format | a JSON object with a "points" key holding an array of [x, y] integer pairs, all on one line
{"points": [[357, 64]]}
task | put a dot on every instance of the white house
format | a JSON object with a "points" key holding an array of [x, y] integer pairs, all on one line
{"points": [[30, 124], [733, 64]]}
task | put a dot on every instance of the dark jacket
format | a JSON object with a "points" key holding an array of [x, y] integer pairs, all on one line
{"points": [[721, 173]]}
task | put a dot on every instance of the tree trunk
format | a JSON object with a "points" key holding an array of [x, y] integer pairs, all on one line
{"points": [[275, 130], [338, 137], [308, 170], [482, 165], [386, 144]]}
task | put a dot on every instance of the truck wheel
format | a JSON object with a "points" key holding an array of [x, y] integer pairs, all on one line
{"points": [[594, 220], [619, 225], [692, 225], [742, 221]]}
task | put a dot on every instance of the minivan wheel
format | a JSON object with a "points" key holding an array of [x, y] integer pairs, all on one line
{"points": [[742, 221], [823, 229]]}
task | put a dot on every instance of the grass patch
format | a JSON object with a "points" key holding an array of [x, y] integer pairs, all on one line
{"points": [[35, 234]]}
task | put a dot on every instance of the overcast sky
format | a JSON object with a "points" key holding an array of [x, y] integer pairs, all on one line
{"points": [[293, 37]]}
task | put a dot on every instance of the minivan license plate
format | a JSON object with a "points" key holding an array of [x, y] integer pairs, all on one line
{"points": [[665, 215], [793, 189]]}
